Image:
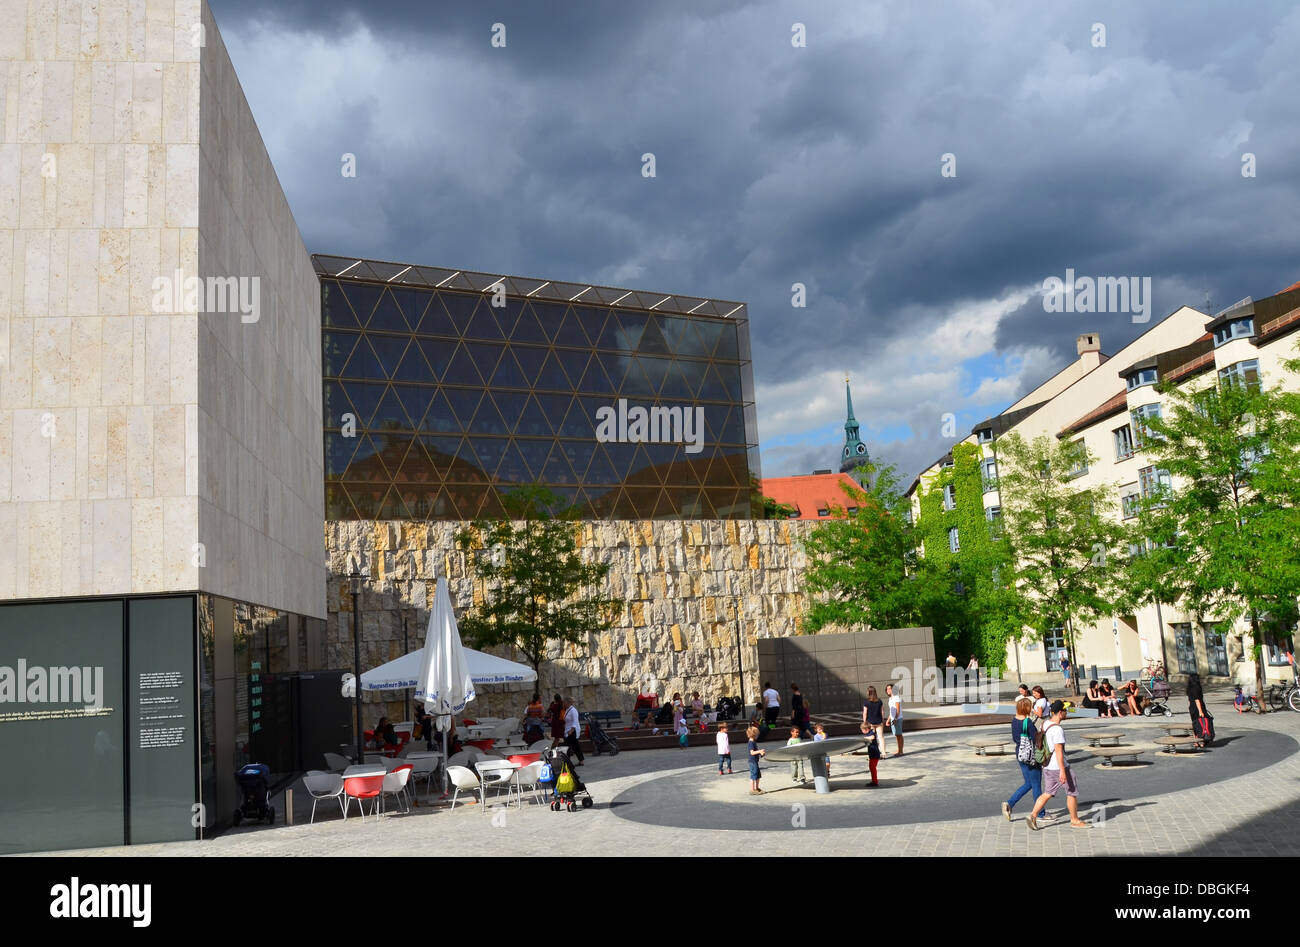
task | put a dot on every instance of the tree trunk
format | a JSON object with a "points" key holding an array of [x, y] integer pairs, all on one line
{"points": [[1259, 661]]}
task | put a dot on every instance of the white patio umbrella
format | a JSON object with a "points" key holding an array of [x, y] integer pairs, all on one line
{"points": [[404, 672], [444, 677]]}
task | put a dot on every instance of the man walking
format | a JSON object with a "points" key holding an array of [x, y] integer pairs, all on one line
{"points": [[771, 705], [895, 722], [571, 729], [1057, 772], [1065, 667]]}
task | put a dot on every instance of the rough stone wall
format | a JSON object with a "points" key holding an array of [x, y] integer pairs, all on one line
{"points": [[690, 592]]}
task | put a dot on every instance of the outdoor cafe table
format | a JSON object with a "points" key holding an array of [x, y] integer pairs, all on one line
{"points": [[816, 752], [488, 763]]}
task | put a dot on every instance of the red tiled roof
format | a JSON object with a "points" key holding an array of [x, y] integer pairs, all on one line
{"points": [[1115, 405], [1291, 287], [809, 493]]}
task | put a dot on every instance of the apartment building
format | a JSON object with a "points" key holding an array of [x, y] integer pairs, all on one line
{"points": [[1103, 402]]}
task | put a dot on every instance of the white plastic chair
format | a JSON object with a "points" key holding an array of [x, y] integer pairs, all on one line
{"points": [[322, 785], [528, 776], [395, 785], [337, 762], [461, 778], [541, 746], [494, 774], [425, 766]]}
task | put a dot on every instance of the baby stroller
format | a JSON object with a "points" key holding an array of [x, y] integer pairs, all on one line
{"points": [[602, 741], [728, 709], [567, 790], [254, 781], [1156, 691]]}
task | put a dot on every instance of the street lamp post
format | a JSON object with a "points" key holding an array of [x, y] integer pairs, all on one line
{"points": [[354, 585]]}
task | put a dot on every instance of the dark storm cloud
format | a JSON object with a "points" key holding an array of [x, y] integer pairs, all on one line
{"points": [[820, 165]]}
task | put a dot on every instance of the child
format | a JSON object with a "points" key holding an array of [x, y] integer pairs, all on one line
{"points": [[873, 750], [683, 731], [724, 749], [796, 767], [818, 736], [755, 774], [704, 723]]}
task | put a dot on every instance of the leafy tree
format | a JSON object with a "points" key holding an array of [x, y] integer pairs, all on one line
{"points": [[539, 588], [1218, 534], [1064, 548]]}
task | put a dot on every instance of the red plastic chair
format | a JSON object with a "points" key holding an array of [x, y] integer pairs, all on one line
{"points": [[363, 787]]}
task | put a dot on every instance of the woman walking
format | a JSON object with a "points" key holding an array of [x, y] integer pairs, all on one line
{"points": [[1202, 722], [1022, 738], [873, 715]]}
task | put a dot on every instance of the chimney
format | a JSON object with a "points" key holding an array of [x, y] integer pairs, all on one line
{"points": [[1088, 346]]}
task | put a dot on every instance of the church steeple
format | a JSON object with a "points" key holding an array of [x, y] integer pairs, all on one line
{"points": [[855, 452]]}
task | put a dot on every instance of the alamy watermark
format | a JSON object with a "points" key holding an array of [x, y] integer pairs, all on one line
{"points": [[233, 294], [1131, 294], [656, 425], [24, 684]]}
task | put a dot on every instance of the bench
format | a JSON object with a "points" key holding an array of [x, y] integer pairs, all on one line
{"points": [[1109, 754], [986, 747], [1175, 745], [1099, 737], [608, 719], [1177, 729]]}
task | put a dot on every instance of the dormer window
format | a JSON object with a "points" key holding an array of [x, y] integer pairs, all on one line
{"points": [[1143, 376], [984, 435], [1234, 329]]}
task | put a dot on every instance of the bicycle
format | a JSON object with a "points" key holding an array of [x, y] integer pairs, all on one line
{"points": [[1284, 695], [1245, 703]]}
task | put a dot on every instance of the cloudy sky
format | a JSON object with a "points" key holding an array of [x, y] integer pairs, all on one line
{"points": [[821, 165]]}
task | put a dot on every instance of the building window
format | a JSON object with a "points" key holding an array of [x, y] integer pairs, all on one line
{"points": [[1054, 647], [1216, 650], [794, 514], [945, 464], [1123, 442], [1078, 460], [953, 544], [1145, 376], [823, 511], [989, 473], [907, 516], [1235, 329], [1154, 483], [1185, 648], [1276, 649], [1128, 504], [852, 510], [950, 497], [984, 435], [1138, 417], [994, 516], [1245, 374]]}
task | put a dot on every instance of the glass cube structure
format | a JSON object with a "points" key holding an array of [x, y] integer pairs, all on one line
{"points": [[445, 389]]}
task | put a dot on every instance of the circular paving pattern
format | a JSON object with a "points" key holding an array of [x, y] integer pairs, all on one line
{"points": [[938, 778]]}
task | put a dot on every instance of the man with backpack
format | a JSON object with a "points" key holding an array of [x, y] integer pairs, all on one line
{"points": [[1049, 751]]}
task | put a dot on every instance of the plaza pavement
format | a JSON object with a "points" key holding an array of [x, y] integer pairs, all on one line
{"points": [[939, 799]]}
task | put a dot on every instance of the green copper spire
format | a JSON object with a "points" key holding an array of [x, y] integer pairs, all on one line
{"points": [[855, 452]]}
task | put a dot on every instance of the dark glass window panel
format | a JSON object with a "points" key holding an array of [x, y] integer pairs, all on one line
{"points": [[466, 467], [442, 508], [531, 361], [335, 404], [391, 450], [367, 465], [439, 417], [508, 315], [686, 502], [571, 332], [483, 325], [390, 415], [412, 302], [488, 420], [491, 506], [552, 375], [706, 506], [713, 389], [574, 364], [595, 380], [663, 457], [733, 430], [489, 452], [616, 367], [436, 321], [441, 451], [630, 327], [727, 345], [393, 508], [364, 363], [578, 454], [460, 307], [390, 350], [419, 500], [464, 403], [551, 316], [602, 470], [578, 420], [512, 468], [535, 451], [438, 355], [416, 467], [694, 373], [367, 498], [641, 501], [665, 508], [715, 421], [554, 408], [485, 356], [622, 458], [592, 321], [508, 373], [335, 310], [416, 400], [674, 329], [387, 316], [465, 500], [635, 383], [675, 384], [652, 339], [531, 420], [528, 329], [365, 399], [336, 347], [722, 500], [338, 453], [337, 504], [643, 471], [707, 332], [461, 369], [363, 298], [414, 366], [656, 370], [556, 468]]}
